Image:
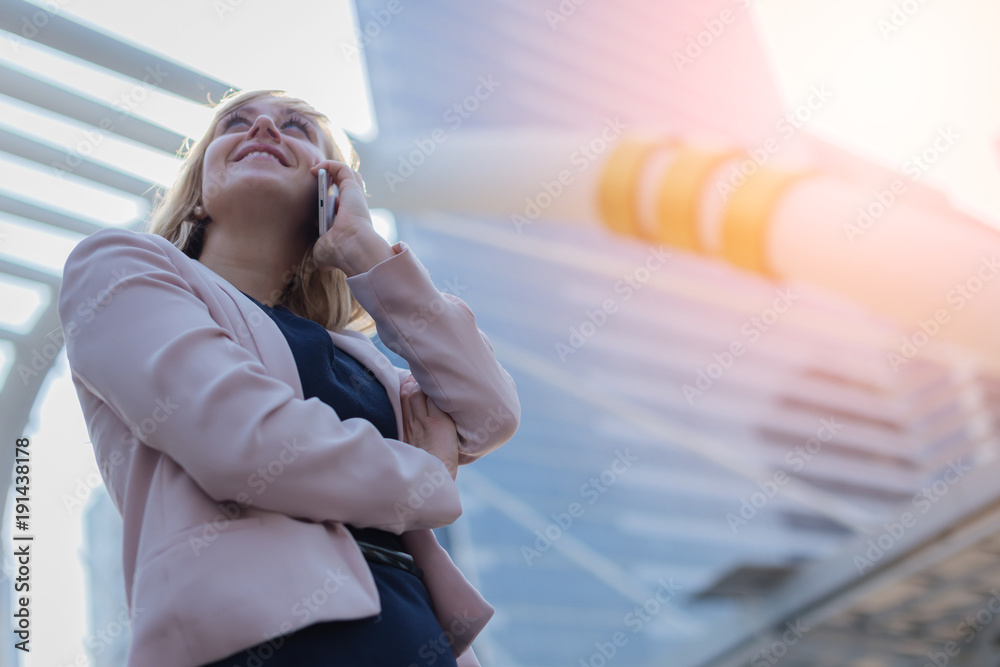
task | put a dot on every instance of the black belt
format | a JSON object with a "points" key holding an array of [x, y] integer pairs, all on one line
{"points": [[402, 560]]}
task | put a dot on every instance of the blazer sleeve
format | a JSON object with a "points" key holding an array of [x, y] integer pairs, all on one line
{"points": [[138, 337], [449, 356]]}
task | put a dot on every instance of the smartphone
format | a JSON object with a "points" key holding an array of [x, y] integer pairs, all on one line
{"points": [[325, 199]]}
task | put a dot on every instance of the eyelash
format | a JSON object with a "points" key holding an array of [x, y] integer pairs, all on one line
{"points": [[295, 121]]}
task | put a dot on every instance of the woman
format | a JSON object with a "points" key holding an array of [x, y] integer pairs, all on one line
{"points": [[277, 476]]}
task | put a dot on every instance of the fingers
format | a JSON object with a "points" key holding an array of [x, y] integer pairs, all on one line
{"points": [[339, 173], [433, 409], [329, 165], [404, 402], [418, 404], [409, 421], [413, 396], [412, 400], [407, 386]]}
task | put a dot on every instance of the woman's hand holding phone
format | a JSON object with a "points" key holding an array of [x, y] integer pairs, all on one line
{"points": [[427, 426], [351, 244]]}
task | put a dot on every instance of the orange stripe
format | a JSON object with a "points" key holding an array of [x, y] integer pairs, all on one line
{"points": [[618, 189], [681, 193], [748, 213]]}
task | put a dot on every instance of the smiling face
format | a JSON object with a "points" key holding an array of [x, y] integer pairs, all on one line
{"points": [[261, 152]]}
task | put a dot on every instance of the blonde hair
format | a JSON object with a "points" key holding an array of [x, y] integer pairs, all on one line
{"points": [[320, 296]]}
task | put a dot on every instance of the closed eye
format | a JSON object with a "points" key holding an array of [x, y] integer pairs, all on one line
{"points": [[296, 121], [293, 121], [235, 118], [307, 128]]}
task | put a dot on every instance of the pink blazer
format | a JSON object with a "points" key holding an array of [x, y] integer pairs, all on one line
{"points": [[232, 488]]}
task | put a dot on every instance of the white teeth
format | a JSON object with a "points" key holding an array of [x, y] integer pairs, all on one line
{"points": [[260, 153]]}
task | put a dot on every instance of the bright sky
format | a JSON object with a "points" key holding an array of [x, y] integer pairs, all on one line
{"points": [[899, 71], [893, 92]]}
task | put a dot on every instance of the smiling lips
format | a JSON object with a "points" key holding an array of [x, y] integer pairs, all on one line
{"points": [[261, 150]]}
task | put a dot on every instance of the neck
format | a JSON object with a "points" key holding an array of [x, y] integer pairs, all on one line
{"points": [[258, 260]]}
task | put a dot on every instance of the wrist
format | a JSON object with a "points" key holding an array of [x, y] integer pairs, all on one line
{"points": [[367, 254]]}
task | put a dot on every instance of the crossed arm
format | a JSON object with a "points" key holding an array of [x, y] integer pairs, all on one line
{"points": [[136, 333]]}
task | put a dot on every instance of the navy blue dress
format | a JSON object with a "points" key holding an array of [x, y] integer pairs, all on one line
{"points": [[406, 632]]}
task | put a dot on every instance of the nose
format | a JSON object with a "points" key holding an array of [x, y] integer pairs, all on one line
{"points": [[264, 125]]}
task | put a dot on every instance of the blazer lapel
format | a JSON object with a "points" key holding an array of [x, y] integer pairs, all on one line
{"points": [[277, 357], [272, 348]]}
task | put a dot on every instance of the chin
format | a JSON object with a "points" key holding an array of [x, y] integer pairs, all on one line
{"points": [[258, 184]]}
